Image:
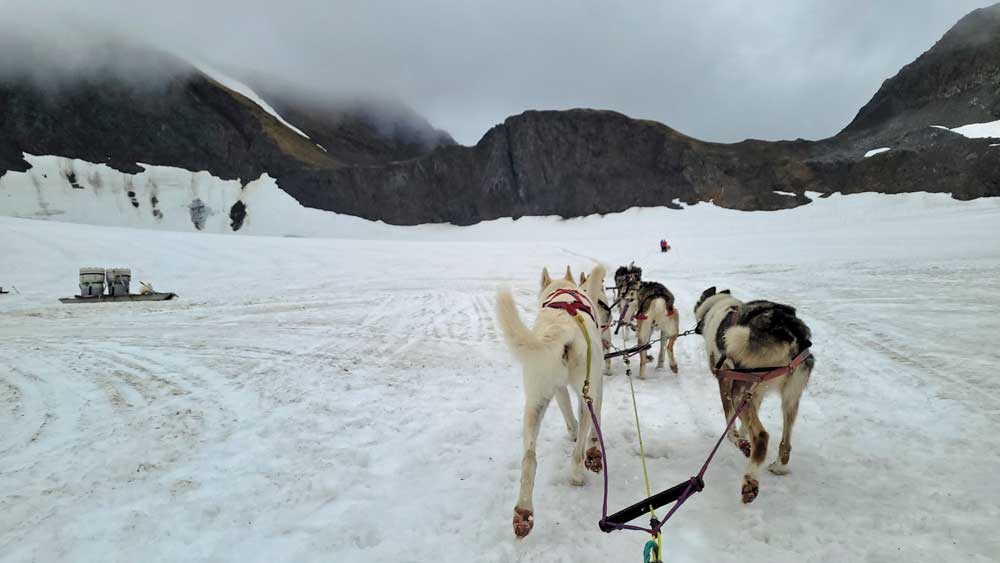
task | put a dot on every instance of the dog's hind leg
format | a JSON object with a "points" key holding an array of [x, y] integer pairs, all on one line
{"points": [[726, 394], [566, 406], [791, 392], [663, 349], [644, 332], [582, 433], [524, 515], [758, 447], [606, 346], [592, 458], [670, 353], [729, 402], [671, 330]]}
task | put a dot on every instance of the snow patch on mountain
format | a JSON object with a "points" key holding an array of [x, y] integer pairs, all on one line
{"points": [[246, 91], [874, 152], [980, 130], [988, 130]]}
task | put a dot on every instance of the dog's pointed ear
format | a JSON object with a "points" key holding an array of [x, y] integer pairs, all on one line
{"points": [[569, 274], [707, 293], [546, 278], [583, 278], [726, 291]]}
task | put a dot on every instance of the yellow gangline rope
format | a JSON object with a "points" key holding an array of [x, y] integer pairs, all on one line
{"points": [[642, 457], [638, 430]]}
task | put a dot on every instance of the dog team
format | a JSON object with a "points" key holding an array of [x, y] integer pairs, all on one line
{"points": [[574, 319]]}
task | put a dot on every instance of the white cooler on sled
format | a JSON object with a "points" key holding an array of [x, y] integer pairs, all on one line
{"points": [[119, 280], [91, 282]]}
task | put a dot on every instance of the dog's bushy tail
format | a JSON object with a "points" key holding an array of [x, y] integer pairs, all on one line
{"points": [[594, 287], [527, 345]]}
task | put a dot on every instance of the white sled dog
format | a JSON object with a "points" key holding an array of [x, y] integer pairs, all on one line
{"points": [[603, 321], [553, 354], [744, 336]]}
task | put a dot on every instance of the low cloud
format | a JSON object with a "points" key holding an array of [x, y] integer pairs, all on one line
{"points": [[721, 71]]}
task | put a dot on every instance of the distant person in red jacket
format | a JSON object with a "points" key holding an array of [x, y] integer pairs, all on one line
{"points": [[664, 246]]}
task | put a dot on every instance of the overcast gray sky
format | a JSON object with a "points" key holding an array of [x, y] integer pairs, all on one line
{"points": [[720, 70]]}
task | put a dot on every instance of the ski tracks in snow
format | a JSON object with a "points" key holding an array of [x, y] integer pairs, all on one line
{"points": [[361, 414]]}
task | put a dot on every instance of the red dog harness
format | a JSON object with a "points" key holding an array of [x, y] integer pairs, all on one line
{"points": [[641, 317], [760, 375], [579, 303], [757, 375]]}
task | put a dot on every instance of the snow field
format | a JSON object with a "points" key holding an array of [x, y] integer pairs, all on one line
{"points": [[351, 400]]}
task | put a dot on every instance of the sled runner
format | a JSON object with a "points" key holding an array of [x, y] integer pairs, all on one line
{"points": [[158, 296]]}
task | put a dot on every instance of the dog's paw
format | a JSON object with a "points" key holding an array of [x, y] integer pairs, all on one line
{"points": [[673, 368], [594, 461], [524, 521], [744, 445], [750, 490], [576, 479], [778, 468]]}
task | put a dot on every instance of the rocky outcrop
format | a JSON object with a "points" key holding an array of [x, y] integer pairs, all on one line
{"points": [[953, 83]]}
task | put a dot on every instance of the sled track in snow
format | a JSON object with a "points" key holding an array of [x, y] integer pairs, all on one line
{"points": [[356, 411]]}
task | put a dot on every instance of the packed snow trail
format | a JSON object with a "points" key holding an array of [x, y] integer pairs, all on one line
{"points": [[338, 400]]}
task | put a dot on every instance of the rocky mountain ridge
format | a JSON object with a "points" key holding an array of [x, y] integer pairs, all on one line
{"points": [[570, 163]]}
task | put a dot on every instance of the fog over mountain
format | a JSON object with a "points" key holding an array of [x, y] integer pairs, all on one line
{"points": [[716, 71]]}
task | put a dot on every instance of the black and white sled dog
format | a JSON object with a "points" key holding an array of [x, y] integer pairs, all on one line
{"points": [[627, 277], [627, 282], [654, 308], [755, 334], [553, 354]]}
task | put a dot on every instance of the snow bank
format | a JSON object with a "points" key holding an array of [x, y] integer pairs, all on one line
{"points": [[163, 197], [167, 198], [874, 152]]}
